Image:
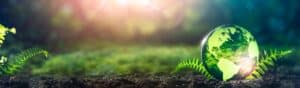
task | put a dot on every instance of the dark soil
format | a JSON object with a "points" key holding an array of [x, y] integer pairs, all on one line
{"points": [[134, 81]]}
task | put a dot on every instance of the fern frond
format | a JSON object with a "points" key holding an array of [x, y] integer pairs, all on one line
{"points": [[193, 64], [267, 61], [15, 63], [4, 31]]}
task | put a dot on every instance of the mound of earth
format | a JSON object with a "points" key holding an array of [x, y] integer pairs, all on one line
{"points": [[133, 81]]}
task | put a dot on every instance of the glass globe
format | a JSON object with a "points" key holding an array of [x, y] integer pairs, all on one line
{"points": [[229, 52]]}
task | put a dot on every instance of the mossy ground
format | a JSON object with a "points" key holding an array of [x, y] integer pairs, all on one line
{"points": [[134, 66]]}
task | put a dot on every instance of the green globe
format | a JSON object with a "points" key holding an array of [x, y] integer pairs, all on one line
{"points": [[229, 52]]}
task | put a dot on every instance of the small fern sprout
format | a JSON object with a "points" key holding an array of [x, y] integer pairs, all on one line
{"points": [[14, 64], [194, 64], [267, 61], [4, 31]]}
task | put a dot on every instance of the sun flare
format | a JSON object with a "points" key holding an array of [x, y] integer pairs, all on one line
{"points": [[122, 17], [133, 2]]}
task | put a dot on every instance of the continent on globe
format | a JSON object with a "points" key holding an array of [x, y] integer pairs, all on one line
{"points": [[229, 52]]}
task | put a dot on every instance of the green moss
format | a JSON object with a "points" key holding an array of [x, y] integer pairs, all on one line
{"points": [[118, 60]]}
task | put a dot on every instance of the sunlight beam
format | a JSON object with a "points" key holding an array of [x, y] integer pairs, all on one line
{"points": [[123, 2]]}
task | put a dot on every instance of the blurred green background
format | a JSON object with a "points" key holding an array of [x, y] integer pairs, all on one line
{"points": [[115, 37]]}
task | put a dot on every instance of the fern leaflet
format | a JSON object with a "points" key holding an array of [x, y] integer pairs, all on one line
{"points": [[266, 62], [4, 31], [12, 65], [194, 64]]}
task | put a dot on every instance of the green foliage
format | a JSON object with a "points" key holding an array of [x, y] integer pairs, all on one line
{"points": [[4, 31], [117, 60], [267, 61], [12, 65], [194, 64]]}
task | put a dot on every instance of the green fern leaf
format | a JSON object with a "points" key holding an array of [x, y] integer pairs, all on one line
{"points": [[4, 31], [15, 63], [193, 64], [266, 62]]}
